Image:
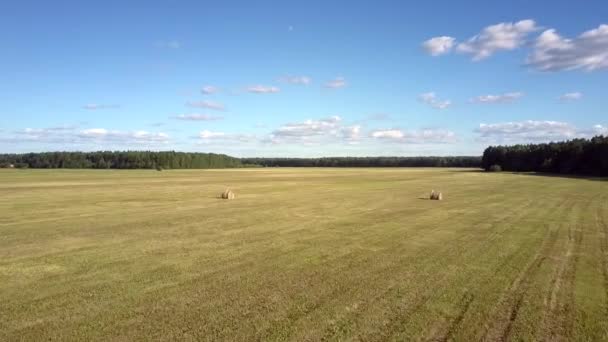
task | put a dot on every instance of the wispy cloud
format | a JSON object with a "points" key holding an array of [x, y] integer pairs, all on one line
{"points": [[76, 136], [103, 134], [425, 136], [573, 96], [588, 51], [97, 106], [206, 104], [198, 117], [338, 82], [207, 137], [439, 45], [261, 89], [502, 98], [303, 80], [209, 89], [432, 100]]}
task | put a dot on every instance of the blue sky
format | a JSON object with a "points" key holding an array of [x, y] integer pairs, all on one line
{"points": [[300, 78]]}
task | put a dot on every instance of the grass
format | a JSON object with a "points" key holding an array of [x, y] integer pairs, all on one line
{"points": [[302, 254]]}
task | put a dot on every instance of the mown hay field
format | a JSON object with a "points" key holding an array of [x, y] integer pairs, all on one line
{"points": [[302, 254]]}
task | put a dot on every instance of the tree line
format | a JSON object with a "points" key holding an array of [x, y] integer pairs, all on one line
{"points": [[184, 160], [578, 156], [119, 160], [458, 161]]}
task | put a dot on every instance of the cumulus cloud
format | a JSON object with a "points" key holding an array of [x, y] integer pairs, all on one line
{"points": [[209, 89], [425, 136], [494, 38], [207, 104], [304, 80], [96, 106], [261, 89], [198, 117], [309, 128], [338, 82], [432, 100], [588, 51], [534, 131], [439, 45], [571, 96], [502, 98], [314, 132]]}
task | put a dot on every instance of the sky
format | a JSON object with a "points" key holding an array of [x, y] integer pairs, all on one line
{"points": [[300, 78]]}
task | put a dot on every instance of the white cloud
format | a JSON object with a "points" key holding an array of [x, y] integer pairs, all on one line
{"points": [[261, 89], [425, 136], [198, 117], [432, 100], [529, 131], [439, 45], [388, 134], [502, 98], [103, 134], [351, 133], [206, 104], [95, 106], [71, 135], [338, 82], [209, 89], [94, 132], [328, 130], [599, 130], [588, 51], [304, 80], [223, 139], [210, 135], [573, 96], [309, 128], [494, 38]]}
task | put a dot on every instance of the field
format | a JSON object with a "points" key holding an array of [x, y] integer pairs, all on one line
{"points": [[302, 254]]}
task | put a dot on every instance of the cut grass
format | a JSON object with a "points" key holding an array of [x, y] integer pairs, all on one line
{"points": [[302, 254]]}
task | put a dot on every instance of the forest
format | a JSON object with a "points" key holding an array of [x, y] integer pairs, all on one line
{"points": [[459, 161], [577, 156], [119, 160]]}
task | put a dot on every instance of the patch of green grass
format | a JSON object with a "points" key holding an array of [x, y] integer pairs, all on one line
{"points": [[302, 254]]}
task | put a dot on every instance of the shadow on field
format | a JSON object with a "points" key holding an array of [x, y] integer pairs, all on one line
{"points": [[557, 175], [540, 174]]}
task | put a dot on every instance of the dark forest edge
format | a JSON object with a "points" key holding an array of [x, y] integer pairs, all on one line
{"points": [[185, 160], [577, 156]]}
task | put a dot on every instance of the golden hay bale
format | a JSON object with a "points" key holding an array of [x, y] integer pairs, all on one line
{"points": [[228, 194], [436, 195]]}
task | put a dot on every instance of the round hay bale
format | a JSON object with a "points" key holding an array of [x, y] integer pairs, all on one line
{"points": [[436, 195], [228, 194]]}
